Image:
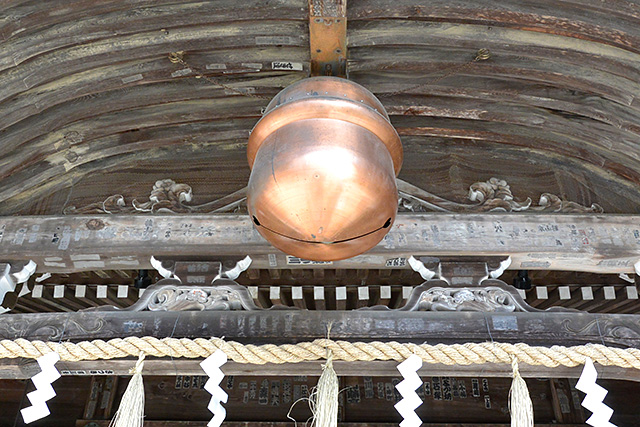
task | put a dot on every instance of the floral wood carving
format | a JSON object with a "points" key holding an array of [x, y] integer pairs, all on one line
{"points": [[166, 196], [489, 296], [552, 203], [176, 298], [467, 299], [493, 195], [172, 295]]}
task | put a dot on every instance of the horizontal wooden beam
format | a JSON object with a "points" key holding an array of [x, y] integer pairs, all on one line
{"points": [[27, 368], [149, 423], [291, 326], [62, 244]]}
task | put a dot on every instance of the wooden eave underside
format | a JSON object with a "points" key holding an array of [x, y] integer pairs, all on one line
{"points": [[91, 106]]}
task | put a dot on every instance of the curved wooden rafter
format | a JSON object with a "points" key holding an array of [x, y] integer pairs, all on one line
{"points": [[90, 96]]}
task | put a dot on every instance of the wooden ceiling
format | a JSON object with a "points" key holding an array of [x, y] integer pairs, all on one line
{"points": [[91, 106]]}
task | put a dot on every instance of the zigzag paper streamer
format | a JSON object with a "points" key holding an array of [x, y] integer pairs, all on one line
{"points": [[167, 274], [419, 267], [594, 398], [211, 366], [504, 264], [43, 391], [8, 282], [407, 406], [233, 274]]}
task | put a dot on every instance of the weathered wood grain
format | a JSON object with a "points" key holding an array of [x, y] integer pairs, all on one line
{"points": [[546, 124], [26, 368], [588, 140], [595, 243], [468, 148], [568, 19], [88, 94], [290, 326], [163, 18], [102, 423], [123, 77], [507, 66], [516, 92], [67, 61]]}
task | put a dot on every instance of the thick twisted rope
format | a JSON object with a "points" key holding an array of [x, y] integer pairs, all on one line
{"points": [[456, 354]]}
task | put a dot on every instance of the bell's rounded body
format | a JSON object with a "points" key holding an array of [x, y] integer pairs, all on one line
{"points": [[323, 160]]}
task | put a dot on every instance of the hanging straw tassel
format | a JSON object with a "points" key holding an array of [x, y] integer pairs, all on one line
{"points": [[131, 410], [520, 405], [325, 398]]}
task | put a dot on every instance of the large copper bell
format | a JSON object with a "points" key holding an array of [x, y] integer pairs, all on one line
{"points": [[323, 160]]}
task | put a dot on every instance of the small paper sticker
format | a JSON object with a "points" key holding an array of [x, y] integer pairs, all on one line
{"points": [[446, 388], [275, 393], [273, 262], [353, 394], [280, 65], [462, 389], [389, 389], [487, 402], [437, 388], [186, 382], [396, 262], [368, 388], [292, 260], [263, 396], [475, 387], [286, 391]]}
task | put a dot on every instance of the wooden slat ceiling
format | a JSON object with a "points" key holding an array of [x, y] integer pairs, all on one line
{"points": [[91, 106]]}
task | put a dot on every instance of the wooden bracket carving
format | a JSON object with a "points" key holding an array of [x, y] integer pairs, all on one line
{"points": [[465, 286], [493, 195], [166, 196], [172, 295], [492, 296]]}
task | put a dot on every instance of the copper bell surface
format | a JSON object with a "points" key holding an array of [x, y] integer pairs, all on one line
{"points": [[323, 160]]}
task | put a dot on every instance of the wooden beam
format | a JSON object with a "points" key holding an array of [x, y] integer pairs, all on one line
{"points": [[105, 423], [63, 244], [328, 37], [26, 368], [290, 326]]}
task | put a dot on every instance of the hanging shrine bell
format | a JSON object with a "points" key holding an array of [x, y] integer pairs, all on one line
{"points": [[324, 158]]}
